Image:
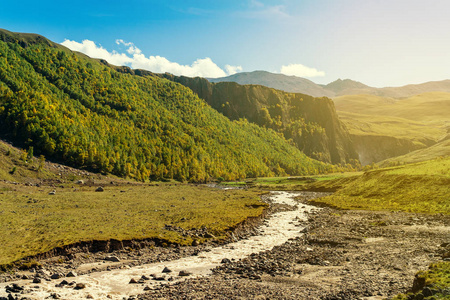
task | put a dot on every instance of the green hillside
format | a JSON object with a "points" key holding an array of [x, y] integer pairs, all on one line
{"points": [[422, 187], [383, 128], [75, 110], [311, 123]]}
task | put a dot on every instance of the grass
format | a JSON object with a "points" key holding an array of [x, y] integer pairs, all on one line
{"points": [[286, 183], [421, 188], [435, 279], [421, 119], [440, 149], [33, 221]]}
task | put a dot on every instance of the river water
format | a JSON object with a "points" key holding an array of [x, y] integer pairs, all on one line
{"points": [[276, 230]]}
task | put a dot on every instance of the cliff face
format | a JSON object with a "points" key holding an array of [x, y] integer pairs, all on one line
{"points": [[311, 123], [373, 149]]}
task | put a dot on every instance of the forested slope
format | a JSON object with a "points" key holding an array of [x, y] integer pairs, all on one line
{"points": [[311, 123], [78, 111]]}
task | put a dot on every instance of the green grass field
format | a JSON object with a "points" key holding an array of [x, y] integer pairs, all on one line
{"points": [[286, 183], [422, 187], [33, 221]]}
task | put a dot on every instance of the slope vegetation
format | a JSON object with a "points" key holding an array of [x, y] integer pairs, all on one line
{"points": [[422, 187], [311, 123], [383, 128], [78, 111]]}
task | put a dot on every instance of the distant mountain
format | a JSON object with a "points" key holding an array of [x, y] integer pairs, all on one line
{"points": [[291, 84], [347, 86], [294, 84]]}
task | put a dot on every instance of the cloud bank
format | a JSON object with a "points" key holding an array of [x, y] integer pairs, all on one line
{"points": [[203, 67], [300, 70]]}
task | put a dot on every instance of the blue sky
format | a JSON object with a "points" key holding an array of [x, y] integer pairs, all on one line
{"points": [[377, 42]]}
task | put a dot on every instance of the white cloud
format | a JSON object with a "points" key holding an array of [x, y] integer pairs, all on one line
{"points": [[300, 70], [232, 69], [204, 67]]}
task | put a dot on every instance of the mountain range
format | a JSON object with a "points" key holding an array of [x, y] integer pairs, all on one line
{"points": [[294, 84]]}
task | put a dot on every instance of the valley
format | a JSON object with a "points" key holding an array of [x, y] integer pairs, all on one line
{"points": [[253, 186]]}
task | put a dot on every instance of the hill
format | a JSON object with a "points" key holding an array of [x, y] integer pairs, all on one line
{"points": [[383, 128], [311, 123], [76, 110], [421, 187], [294, 84]]}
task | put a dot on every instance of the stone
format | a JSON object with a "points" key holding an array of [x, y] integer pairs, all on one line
{"points": [[80, 286], [99, 189], [225, 261], [55, 276], [143, 277], [37, 280], [166, 270], [195, 243], [80, 182], [132, 280], [52, 192], [71, 274], [112, 258], [147, 288], [184, 273], [160, 278]]}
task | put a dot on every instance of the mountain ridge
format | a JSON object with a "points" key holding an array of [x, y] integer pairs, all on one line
{"points": [[339, 87]]}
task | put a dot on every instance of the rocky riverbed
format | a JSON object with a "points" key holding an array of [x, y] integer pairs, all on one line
{"points": [[343, 255], [317, 254]]}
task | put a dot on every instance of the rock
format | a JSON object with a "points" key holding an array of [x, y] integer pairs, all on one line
{"points": [[147, 288], [112, 258], [143, 277], [80, 182], [71, 274], [37, 280], [225, 261], [52, 192], [99, 189], [195, 243], [166, 270], [427, 292], [184, 273], [25, 277], [160, 278], [55, 276], [132, 281], [64, 282], [80, 286], [89, 296]]}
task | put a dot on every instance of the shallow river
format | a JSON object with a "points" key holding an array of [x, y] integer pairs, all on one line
{"points": [[114, 284]]}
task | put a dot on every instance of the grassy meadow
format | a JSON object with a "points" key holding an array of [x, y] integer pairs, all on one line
{"points": [[423, 119], [423, 188], [33, 221], [286, 183]]}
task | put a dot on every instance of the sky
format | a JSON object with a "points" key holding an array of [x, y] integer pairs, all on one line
{"points": [[377, 42]]}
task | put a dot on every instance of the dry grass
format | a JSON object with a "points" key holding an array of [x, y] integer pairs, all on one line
{"points": [[33, 221]]}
